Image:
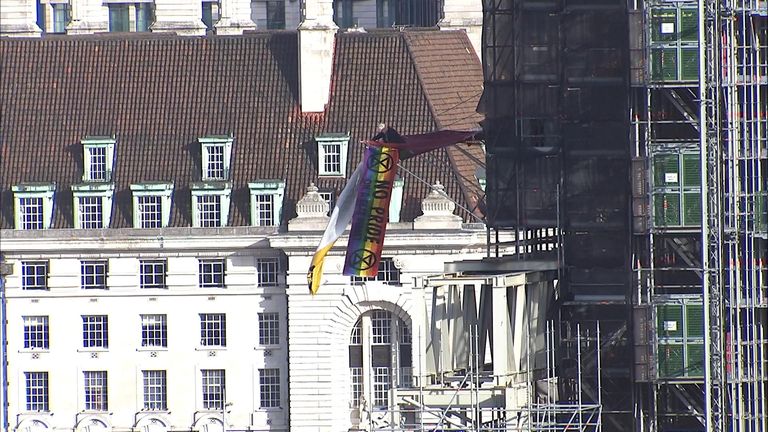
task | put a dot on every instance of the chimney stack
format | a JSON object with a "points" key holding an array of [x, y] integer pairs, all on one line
{"points": [[317, 33], [235, 17], [19, 18]]}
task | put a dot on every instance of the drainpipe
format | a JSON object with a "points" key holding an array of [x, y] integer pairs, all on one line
{"points": [[5, 269]]}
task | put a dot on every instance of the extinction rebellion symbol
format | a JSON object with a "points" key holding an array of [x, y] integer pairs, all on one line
{"points": [[363, 259], [380, 163]]}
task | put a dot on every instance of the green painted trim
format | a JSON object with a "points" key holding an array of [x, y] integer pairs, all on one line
{"points": [[152, 187], [211, 185], [266, 185], [93, 187], [34, 187]]}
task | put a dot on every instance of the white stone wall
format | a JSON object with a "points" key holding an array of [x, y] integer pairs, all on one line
{"points": [[88, 16], [183, 17], [65, 360], [465, 15], [320, 325], [313, 356], [18, 18]]}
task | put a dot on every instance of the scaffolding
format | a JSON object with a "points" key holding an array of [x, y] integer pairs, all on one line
{"points": [[491, 360], [556, 121], [699, 210]]}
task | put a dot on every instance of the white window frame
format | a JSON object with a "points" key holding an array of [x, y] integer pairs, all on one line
{"points": [[85, 273], [368, 375], [270, 392], [95, 331], [213, 383], [154, 331], [342, 140], [268, 271], [95, 391], [163, 191], [37, 391], [104, 191], [222, 189], [213, 330], [155, 390], [42, 191], [212, 262], [92, 143], [273, 188], [153, 275], [35, 272], [36, 332], [269, 328], [387, 267], [208, 144]]}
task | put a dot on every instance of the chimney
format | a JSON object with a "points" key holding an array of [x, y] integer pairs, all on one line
{"points": [[88, 16], [19, 18], [465, 15], [317, 33], [235, 17], [182, 17]]}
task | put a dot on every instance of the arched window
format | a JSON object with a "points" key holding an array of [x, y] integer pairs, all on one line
{"points": [[379, 357]]}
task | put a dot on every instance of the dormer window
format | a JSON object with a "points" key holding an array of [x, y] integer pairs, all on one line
{"points": [[34, 205], [266, 202], [210, 204], [332, 154], [98, 159], [216, 154], [151, 204], [93, 205]]}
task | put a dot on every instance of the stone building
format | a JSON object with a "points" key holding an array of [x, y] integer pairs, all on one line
{"points": [[160, 200], [196, 18]]}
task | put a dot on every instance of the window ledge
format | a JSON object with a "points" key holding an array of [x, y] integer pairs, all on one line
{"points": [[267, 347], [211, 348], [34, 350], [151, 348], [270, 409], [92, 349]]}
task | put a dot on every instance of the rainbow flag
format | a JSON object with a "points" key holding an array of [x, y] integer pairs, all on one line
{"points": [[369, 220]]}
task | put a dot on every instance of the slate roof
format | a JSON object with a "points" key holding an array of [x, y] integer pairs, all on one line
{"points": [[158, 94]]}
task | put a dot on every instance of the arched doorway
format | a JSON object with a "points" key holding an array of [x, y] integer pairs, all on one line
{"points": [[380, 357]]}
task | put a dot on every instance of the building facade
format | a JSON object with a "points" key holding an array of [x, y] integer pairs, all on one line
{"points": [[159, 234], [24, 18]]}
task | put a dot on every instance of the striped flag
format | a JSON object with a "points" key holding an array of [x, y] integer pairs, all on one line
{"points": [[402, 146], [340, 218], [369, 221]]}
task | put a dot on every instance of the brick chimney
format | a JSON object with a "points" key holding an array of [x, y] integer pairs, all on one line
{"points": [[317, 32]]}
